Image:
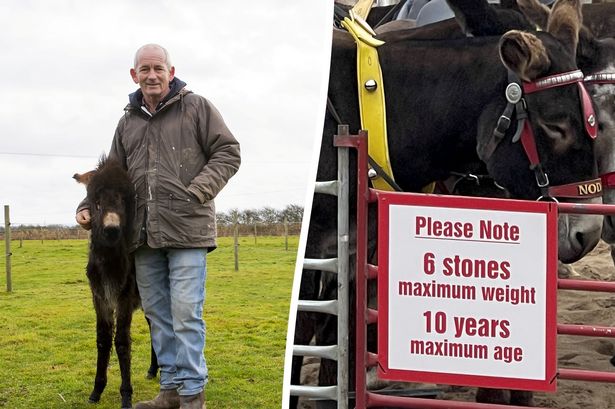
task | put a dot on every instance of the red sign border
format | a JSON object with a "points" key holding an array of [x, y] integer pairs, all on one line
{"points": [[385, 200]]}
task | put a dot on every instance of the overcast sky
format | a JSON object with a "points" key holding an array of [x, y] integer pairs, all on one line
{"points": [[65, 80]]}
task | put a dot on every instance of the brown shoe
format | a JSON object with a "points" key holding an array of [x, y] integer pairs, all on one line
{"points": [[166, 399], [193, 401]]}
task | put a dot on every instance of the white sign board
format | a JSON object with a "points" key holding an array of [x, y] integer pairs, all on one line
{"points": [[467, 291]]}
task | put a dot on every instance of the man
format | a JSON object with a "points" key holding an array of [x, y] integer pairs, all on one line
{"points": [[179, 154]]}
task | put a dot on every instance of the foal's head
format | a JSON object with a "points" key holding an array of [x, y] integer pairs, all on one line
{"points": [[111, 198]]}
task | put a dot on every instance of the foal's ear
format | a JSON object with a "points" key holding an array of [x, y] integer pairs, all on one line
{"points": [[84, 177], [524, 54], [565, 22], [535, 11]]}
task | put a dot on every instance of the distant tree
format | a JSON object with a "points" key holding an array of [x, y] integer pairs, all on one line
{"points": [[269, 215], [234, 215], [224, 219], [55, 226], [249, 216], [293, 213], [266, 215]]}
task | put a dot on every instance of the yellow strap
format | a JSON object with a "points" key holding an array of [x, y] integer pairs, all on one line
{"points": [[371, 102], [429, 188], [362, 8]]}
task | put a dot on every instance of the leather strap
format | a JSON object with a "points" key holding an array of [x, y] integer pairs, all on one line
{"points": [[608, 180], [362, 8], [585, 189], [371, 98], [591, 124]]}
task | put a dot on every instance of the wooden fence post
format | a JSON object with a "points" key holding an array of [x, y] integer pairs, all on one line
{"points": [[236, 240], [285, 233], [7, 246], [254, 232]]}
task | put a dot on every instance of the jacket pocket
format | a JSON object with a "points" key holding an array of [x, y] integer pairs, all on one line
{"points": [[185, 206]]}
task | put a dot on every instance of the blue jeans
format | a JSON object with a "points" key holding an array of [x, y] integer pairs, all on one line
{"points": [[172, 287]]}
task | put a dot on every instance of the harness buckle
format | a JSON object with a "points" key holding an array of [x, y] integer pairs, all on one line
{"points": [[502, 125], [474, 178], [542, 180]]}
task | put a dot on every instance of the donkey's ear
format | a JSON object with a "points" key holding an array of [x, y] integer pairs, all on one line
{"points": [[524, 54], [84, 177], [587, 49], [565, 22], [535, 11]]}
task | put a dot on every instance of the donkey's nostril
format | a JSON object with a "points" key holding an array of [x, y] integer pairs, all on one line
{"points": [[580, 239], [112, 233]]}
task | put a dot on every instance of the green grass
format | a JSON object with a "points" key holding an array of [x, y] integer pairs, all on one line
{"points": [[47, 328]]}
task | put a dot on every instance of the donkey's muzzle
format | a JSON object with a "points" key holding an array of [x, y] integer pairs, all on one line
{"points": [[111, 226]]}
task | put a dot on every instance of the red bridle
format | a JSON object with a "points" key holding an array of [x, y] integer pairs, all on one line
{"points": [[524, 132], [558, 80], [608, 179], [591, 188]]}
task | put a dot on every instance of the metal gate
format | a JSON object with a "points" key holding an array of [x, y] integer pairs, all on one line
{"points": [[365, 315], [338, 307]]}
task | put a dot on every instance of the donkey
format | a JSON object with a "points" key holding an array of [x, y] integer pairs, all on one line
{"points": [[595, 58], [440, 115], [111, 271], [598, 46], [599, 18]]}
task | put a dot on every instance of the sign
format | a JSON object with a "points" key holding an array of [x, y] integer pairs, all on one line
{"points": [[467, 291]]}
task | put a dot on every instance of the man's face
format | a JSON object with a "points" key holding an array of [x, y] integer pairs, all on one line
{"points": [[152, 73]]}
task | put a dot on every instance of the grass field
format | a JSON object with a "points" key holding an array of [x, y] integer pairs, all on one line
{"points": [[47, 328]]}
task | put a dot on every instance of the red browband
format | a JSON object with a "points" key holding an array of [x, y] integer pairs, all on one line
{"points": [[553, 81], [604, 78]]}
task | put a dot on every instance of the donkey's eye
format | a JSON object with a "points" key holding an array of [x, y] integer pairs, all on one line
{"points": [[554, 130]]}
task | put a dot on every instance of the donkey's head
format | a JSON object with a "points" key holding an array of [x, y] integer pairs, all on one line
{"points": [[111, 197], [596, 58], [556, 142], [545, 64]]}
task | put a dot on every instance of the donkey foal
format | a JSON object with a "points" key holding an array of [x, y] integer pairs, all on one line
{"points": [[110, 269]]}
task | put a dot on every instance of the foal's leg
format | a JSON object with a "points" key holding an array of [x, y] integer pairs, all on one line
{"points": [[153, 361], [104, 336], [122, 348]]}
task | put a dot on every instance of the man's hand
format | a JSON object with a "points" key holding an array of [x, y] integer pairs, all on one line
{"points": [[83, 218]]}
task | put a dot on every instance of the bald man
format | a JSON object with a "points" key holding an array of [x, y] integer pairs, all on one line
{"points": [[179, 154]]}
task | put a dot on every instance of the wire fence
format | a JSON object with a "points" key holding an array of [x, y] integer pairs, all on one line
{"points": [[46, 233], [10, 234]]}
